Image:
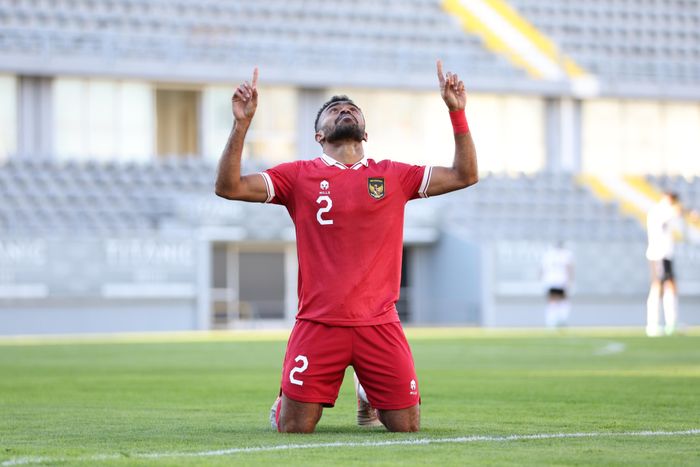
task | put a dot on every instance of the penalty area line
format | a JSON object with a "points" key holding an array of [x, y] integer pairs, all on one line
{"points": [[346, 444]]}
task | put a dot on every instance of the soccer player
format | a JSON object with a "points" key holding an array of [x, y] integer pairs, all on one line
{"points": [[348, 213], [664, 221], [557, 271]]}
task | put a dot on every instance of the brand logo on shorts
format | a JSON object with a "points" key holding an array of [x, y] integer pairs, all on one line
{"points": [[414, 388], [375, 186], [324, 185]]}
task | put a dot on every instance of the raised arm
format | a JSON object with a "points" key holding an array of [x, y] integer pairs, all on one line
{"points": [[229, 182], [464, 171]]}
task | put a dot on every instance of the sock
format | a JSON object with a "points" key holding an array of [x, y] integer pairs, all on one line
{"points": [[653, 311], [277, 415], [359, 390], [564, 309], [550, 319], [670, 311]]}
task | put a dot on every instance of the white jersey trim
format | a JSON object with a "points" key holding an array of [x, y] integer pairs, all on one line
{"points": [[269, 186], [329, 161], [427, 173]]}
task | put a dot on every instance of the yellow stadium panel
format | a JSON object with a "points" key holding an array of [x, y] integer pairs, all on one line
{"points": [[506, 32]]}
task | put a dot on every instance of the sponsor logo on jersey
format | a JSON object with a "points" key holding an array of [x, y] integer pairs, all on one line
{"points": [[375, 186], [325, 188]]}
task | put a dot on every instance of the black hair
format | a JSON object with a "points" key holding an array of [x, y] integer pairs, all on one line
{"points": [[673, 195], [333, 100]]}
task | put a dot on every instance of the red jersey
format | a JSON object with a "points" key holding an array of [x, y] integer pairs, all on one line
{"points": [[349, 231]]}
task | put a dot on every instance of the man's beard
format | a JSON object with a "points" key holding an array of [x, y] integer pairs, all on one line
{"points": [[351, 131]]}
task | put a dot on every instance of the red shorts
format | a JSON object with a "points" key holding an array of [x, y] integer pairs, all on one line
{"points": [[317, 356]]}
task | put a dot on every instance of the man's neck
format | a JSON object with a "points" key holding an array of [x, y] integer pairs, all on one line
{"points": [[346, 152]]}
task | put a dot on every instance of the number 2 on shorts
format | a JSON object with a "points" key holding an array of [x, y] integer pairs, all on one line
{"points": [[299, 369]]}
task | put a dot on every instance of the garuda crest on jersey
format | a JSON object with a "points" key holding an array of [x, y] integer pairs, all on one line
{"points": [[375, 186]]}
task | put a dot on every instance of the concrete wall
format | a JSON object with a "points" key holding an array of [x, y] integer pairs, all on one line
{"points": [[610, 286], [96, 316], [529, 311], [447, 284], [454, 281]]}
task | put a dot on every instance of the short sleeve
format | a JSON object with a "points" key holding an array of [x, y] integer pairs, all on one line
{"points": [[414, 179], [279, 182]]}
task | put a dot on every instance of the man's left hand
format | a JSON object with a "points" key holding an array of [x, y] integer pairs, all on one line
{"points": [[451, 89]]}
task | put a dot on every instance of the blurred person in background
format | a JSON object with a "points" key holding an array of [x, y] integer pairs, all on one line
{"points": [[664, 225], [348, 214], [557, 274]]}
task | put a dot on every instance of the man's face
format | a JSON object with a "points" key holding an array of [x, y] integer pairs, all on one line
{"points": [[341, 121]]}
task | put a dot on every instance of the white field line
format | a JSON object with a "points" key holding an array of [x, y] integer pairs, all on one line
{"points": [[611, 348], [348, 444]]}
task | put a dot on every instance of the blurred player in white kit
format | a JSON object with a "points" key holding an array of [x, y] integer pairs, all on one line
{"points": [[557, 273], [664, 222]]}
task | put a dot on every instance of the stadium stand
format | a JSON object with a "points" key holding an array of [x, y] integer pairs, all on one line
{"points": [[112, 197], [688, 189], [91, 198], [619, 42], [336, 39], [518, 215], [545, 206], [622, 42], [145, 235]]}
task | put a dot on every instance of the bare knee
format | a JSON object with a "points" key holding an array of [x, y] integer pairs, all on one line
{"points": [[402, 427], [295, 426], [298, 417], [401, 421], [298, 424]]}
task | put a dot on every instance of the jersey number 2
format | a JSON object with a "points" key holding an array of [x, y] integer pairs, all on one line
{"points": [[299, 369], [324, 209]]}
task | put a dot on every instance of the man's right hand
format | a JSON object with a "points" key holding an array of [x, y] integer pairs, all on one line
{"points": [[245, 100]]}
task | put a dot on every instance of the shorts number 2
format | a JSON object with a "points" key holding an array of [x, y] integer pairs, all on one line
{"points": [[299, 369]]}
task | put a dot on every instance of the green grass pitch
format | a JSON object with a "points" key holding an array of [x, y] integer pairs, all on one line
{"points": [[610, 397]]}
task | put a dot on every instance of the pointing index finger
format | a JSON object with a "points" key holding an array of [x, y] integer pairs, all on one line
{"points": [[255, 77], [441, 77]]}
